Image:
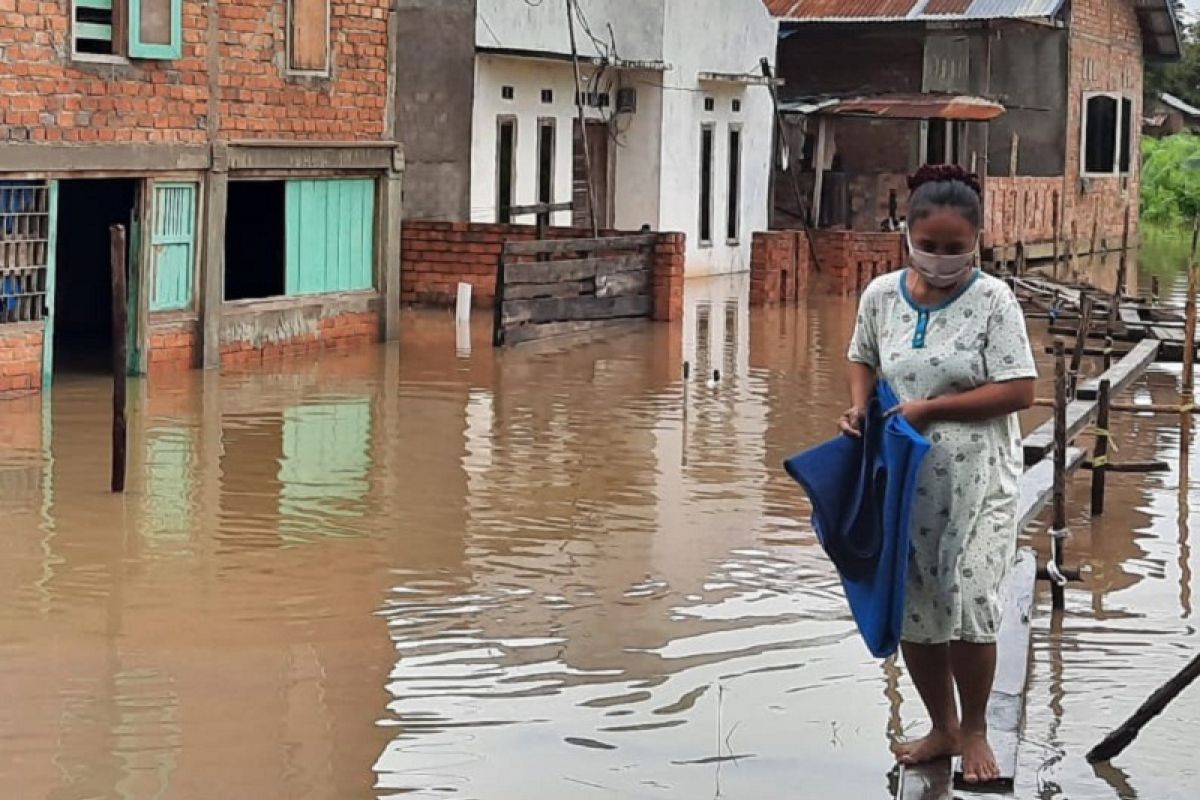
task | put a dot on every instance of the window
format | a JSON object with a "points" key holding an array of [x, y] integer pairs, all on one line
{"points": [[308, 36], [150, 29], [547, 95], [545, 173], [507, 93], [1108, 134], [733, 198], [943, 141], [706, 184], [506, 152], [173, 245], [710, 104], [737, 106]]}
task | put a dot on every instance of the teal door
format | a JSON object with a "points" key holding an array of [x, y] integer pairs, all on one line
{"points": [[173, 246], [330, 236]]}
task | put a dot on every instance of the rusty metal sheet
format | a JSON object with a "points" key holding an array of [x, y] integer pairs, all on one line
{"points": [[917, 106], [910, 10]]}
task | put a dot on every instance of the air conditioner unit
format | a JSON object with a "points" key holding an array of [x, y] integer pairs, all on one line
{"points": [[627, 100]]}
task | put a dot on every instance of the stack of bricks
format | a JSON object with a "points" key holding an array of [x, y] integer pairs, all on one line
{"points": [[20, 359], [779, 267], [173, 347], [437, 256]]}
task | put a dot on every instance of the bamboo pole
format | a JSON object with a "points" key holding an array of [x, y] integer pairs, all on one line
{"points": [[1072, 250], [1100, 454], [120, 313], [1092, 258], [1056, 224], [1115, 743], [1059, 527]]}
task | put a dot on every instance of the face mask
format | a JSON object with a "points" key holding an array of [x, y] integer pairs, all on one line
{"points": [[941, 272]]}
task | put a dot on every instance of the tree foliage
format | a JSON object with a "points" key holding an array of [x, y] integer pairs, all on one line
{"points": [[1180, 78], [1171, 178]]}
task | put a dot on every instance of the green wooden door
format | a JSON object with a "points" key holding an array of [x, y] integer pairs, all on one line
{"points": [[173, 246], [330, 236]]}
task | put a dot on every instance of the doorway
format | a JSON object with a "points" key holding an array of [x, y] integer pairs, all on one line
{"points": [[597, 144], [83, 341], [255, 241]]}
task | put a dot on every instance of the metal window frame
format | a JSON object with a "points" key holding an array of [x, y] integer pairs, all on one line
{"points": [[327, 71]]}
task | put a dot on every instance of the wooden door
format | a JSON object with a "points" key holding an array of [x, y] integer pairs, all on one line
{"points": [[597, 143]]}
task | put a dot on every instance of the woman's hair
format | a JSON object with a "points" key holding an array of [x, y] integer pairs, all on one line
{"points": [[945, 186]]}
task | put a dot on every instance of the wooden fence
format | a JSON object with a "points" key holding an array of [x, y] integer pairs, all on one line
{"points": [[553, 288]]}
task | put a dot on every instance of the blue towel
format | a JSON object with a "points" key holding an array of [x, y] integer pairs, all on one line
{"points": [[862, 494]]}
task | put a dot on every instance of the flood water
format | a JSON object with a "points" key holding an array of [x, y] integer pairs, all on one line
{"points": [[552, 572]]}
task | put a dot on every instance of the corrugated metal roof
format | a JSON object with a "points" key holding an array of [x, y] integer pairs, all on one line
{"points": [[898, 106], [910, 10], [1179, 105]]}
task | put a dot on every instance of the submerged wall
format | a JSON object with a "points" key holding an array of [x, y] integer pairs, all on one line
{"points": [[20, 358], [782, 268]]}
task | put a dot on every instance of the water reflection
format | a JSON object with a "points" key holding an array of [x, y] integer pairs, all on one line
{"points": [[554, 571]]}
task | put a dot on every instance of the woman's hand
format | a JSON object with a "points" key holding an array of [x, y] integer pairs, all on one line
{"points": [[851, 422], [919, 413]]}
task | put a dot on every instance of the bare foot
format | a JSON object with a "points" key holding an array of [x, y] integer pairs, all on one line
{"points": [[938, 744], [978, 761]]}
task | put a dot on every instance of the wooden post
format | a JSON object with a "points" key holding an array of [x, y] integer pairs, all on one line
{"points": [[1155, 290], [120, 313], [819, 178], [1059, 524], [1073, 253], [1189, 327], [1100, 453], [1085, 325], [1092, 257], [1021, 258], [1119, 292], [587, 150], [1108, 353], [1056, 222], [498, 304]]}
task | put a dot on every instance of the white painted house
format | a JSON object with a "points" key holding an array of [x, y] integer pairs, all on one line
{"points": [[679, 117]]}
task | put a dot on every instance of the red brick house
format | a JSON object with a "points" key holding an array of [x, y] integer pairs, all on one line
{"points": [[247, 145], [1068, 72]]}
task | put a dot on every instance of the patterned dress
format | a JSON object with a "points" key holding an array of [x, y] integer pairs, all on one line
{"points": [[964, 523]]}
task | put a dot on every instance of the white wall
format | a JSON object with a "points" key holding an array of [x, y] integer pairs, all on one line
{"points": [[528, 77], [693, 44], [518, 25], [634, 147]]}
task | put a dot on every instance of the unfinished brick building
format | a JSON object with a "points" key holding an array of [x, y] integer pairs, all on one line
{"points": [[246, 144], [1067, 72]]}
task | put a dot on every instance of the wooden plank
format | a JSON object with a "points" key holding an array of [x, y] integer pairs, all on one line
{"points": [[1124, 372], [932, 781], [309, 51], [559, 289], [1130, 315], [1006, 706], [560, 330], [1037, 485], [560, 246], [574, 309], [540, 208], [572, 270], [622, 283]]}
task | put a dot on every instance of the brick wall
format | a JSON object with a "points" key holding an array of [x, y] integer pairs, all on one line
{"points": [[20, 358], [45, 95], [437, 256], [1106, 55], [781, 268], [173, 343], [1020, 209], [252, 333]]}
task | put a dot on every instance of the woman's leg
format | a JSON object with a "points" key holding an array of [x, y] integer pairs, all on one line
{"points": [[974, 667], [929, 665]]}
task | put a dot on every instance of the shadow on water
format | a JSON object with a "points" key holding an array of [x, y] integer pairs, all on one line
{"points": [[437, 570]]}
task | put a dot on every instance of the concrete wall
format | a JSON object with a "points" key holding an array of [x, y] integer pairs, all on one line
{"points": [[435, 86], [694, 45], [542, 27], [1029, 74]]}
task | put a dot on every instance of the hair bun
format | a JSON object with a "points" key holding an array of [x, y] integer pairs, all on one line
{"points": [[939, 173]]}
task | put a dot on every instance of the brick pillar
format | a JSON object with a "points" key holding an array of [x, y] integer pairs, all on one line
{"points": [[668, 277]]}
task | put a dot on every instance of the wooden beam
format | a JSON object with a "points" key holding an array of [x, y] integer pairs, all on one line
{"points": [[540, 208], [574, 309], [932, 781], [573, 270], [561, 246], [1124, 372]]}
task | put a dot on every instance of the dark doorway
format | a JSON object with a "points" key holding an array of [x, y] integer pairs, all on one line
{"points": [[597, 144], [83, 275], [255, 244]]}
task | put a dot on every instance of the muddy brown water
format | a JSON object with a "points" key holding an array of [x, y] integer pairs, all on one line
{"points": [[546, 573]]}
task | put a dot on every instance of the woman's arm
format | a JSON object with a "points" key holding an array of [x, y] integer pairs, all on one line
{"points": [[862, 386], [977, 405]]}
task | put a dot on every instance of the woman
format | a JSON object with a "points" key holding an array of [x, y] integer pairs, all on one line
{"points": [[952, 343]]}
